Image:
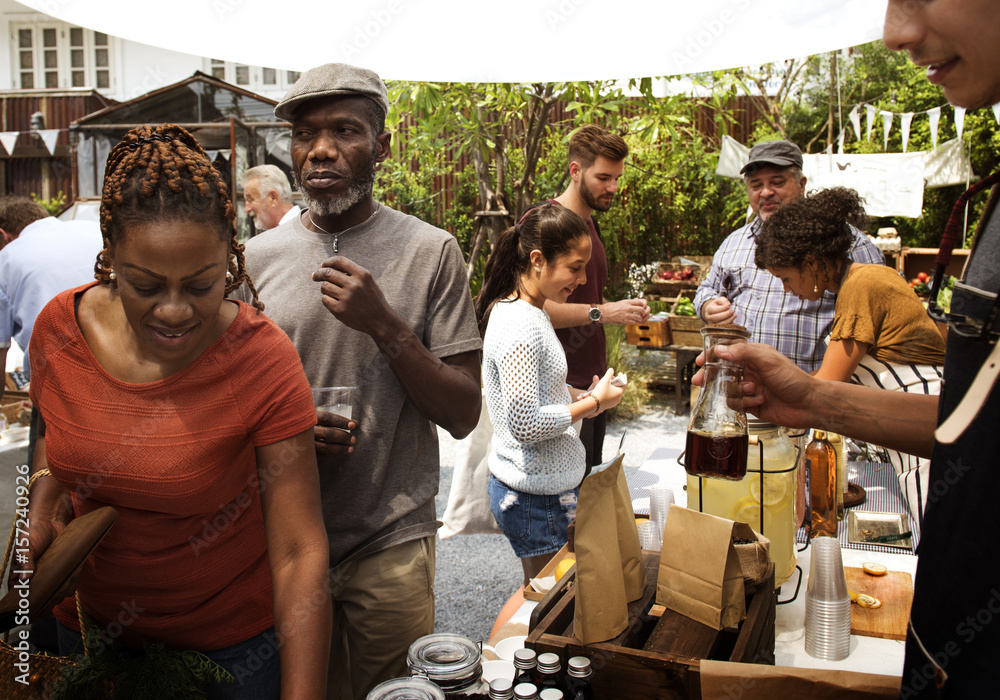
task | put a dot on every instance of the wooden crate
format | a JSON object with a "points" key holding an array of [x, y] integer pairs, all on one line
{"points": [[686, 330], [658, 287], [652, 334], [657, 657]]}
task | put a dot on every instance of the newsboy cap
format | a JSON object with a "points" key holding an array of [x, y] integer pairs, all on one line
{"points": [[783, 154], [333, 80]]}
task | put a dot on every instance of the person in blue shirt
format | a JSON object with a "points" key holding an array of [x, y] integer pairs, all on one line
{"points": [[41, 257]]}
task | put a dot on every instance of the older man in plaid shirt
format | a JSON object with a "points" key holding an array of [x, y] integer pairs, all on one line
{"points": [[737, 291]]}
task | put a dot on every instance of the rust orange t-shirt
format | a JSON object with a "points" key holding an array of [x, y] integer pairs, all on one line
{"points": [[186, 562]]}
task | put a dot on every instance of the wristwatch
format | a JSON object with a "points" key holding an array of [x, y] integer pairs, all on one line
{"points": [[595, 313]]}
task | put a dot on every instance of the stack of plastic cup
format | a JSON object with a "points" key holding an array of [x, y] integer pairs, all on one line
{"points": [[649, 538], [828, 603], [660, 500]]}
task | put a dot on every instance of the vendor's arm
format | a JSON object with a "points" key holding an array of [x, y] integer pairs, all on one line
{"points": [[445, 390], [842, 357], [298, 552], [570, 315], [777, 391]]}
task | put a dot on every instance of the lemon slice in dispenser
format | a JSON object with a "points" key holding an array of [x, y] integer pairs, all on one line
{"points": [[747, 511], [775, 489]]}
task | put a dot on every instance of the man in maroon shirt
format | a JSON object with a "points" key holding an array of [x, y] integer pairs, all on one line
{"points": [[597, 160]]}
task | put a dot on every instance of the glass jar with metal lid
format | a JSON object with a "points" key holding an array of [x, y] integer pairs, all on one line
{"points": [[764, 499], [451, 662], [406, 689]]}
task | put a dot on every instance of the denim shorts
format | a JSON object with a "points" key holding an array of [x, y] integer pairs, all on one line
{"points": [[533, 524]]}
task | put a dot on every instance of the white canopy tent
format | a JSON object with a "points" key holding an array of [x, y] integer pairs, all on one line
{"points": [[468, 41]]}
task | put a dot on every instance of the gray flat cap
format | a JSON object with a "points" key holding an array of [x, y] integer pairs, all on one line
{"points": [[783, 154], [331, 80]]}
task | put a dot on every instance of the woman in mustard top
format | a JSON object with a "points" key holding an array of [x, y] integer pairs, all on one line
{"points": [[881, 335]]}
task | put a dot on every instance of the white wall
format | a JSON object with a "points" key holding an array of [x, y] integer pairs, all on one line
{"points": [[142, 68], [137, 68]]}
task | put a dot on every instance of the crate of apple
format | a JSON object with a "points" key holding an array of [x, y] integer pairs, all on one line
{"points": [[685, 274]]}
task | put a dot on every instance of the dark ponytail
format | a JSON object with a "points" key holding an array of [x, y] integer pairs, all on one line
{"points": [[549, 228]]}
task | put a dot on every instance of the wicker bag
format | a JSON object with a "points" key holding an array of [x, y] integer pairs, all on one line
{"points": [[25, 675]]}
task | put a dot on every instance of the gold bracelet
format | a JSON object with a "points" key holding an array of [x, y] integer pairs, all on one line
{"points": [[598, 402]]}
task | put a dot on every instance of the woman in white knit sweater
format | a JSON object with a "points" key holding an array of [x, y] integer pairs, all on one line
{"points": [[537, 460]]}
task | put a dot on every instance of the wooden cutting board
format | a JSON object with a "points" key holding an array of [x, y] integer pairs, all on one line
{"points": [[895, 590]]}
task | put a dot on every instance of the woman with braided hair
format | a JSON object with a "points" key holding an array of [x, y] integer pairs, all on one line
{"points": [[881, 335], [191, 415]]}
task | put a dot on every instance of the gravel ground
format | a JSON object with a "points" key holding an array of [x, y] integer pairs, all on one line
{"points": [[476, 574]]}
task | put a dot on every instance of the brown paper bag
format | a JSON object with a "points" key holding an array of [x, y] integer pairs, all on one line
{"points": [[724, 679], [609, 567], [700, 574]]}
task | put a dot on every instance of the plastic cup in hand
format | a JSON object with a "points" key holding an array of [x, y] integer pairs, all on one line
{"points": [[828, 603], [335, 399]]}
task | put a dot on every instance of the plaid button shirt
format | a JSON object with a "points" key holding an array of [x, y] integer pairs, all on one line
{"points": [[793, 326]]}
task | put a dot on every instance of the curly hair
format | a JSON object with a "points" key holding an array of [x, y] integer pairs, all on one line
{"points": [[163, 173], [816, 226]]}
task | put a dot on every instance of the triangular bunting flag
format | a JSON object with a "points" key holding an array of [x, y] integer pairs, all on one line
{"points": [[996, 112], [840, 143], [870, 115], [212, 155], [904, 122], [959, 120], [855, 118], [225, 154], [886, 126], [49, 138], [8, 139], [935, 117]]}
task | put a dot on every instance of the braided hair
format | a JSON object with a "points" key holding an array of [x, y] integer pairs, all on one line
{"points": [[163, 173]]}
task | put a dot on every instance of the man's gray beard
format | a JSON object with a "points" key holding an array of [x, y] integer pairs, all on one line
{"points": [[336, 205]]}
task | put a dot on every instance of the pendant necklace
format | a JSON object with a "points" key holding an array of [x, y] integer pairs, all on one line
{"points": [[336, 236]]}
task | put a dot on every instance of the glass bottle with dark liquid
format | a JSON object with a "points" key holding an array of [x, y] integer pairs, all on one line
{"points": [[719, 456], [717, 436]]}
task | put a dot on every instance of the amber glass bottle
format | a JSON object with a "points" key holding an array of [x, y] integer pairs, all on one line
{"points": [[578, 679], [821, 461]]}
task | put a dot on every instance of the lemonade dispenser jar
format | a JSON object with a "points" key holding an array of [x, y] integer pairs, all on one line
{"points": [[764, 499]]}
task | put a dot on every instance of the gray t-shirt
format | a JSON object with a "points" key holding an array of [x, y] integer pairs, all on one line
{"points": [[383, 493]]}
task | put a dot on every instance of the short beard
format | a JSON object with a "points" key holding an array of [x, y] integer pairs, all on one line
{"points": [[358, 188], [591, 201]]}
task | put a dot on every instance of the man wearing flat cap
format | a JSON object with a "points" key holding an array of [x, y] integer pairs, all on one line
{"points": [[737, 291], [378, 300]]}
